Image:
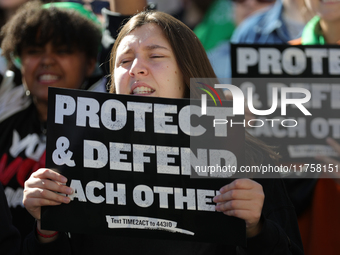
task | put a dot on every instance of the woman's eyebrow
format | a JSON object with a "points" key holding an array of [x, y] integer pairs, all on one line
{"points": [[155, 46], [126, 51], [147, 48]]}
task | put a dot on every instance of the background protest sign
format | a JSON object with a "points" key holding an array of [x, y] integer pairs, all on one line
{"points": [[128, 160], [299, 136], [285, 61]]}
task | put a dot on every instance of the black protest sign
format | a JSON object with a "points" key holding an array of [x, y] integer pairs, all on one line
{"points": [[128, 160], [295, 96], [284, 61]]}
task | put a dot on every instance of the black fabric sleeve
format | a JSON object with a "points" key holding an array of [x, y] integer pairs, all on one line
{"points": [[280, 232], [32, 245], [272, 240], [300, 191], [9, 235]]}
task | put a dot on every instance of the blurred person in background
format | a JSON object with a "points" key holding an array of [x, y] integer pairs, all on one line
{"points": [[319, 224], [110, 13], [55, 48], [217, 26], [281, 23], [214, 32], [64, 58], [243, 9], [120, 7], [95, 6], [7, 10]]}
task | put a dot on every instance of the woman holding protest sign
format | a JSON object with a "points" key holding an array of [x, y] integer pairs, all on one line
{"points": [[319, 225], [156, 55]]}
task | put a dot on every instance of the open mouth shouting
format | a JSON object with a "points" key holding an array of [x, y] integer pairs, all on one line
{"points": [[142, 90]]}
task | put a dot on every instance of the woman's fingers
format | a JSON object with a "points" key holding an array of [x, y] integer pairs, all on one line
{"points": [[44, 194], [232, 205], [45, 184], [44, 173], [34, 198], [234, 187], [235, 194], [242, 198], [235, 204], [240, 194], [45, 187], [38, 202]]}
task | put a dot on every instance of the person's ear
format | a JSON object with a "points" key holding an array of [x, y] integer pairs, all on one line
{"points": [[91, 65]]}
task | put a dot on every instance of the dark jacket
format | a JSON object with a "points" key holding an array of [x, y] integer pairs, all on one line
{"points": [[9, 235]]}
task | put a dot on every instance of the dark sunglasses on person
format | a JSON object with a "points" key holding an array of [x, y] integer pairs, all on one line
{"points": [[259, 1], [96, 6]]}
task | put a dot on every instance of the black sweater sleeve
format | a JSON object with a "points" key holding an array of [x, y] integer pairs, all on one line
{"points": [[280, 232], [9, 235], [60, 246]]}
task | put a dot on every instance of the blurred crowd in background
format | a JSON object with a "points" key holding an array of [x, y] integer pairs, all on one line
{"points": [[217, 23]]}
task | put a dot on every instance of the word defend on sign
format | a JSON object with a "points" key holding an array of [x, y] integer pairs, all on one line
{"points": [[132, 156]]}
